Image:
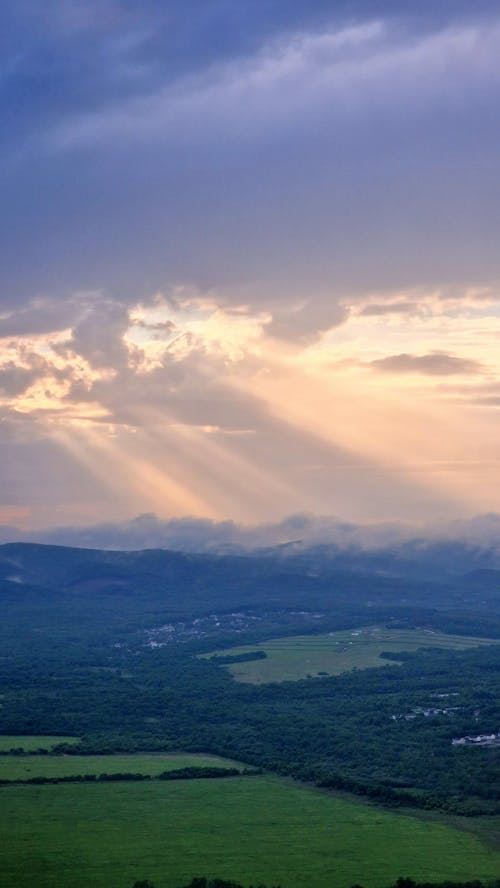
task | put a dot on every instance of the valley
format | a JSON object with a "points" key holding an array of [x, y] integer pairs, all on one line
{"points": [[128, 678]]}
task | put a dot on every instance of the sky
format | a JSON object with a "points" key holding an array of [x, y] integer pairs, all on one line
{"points": [[250, 260]]}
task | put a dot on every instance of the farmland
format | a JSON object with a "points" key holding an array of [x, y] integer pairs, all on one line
{"points": [[26, 767], [32, 743], [296, 657], [251, 830], [84, 664]]}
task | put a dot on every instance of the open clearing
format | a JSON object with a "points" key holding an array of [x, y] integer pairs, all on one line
{"points": [[25, 767], [259, 829], [294, 657], [32, 743]]}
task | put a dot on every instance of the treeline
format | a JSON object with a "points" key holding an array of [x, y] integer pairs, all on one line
{"points": [[75, 778], [218, 883], [20, 752], [202, 882], [337, 731], [226, 659], [211, 773], [395, 798], [177, 774], [402, 882], [405, 882]]}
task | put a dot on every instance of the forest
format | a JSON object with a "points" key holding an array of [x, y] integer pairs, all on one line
{"points": [[78, 661]]}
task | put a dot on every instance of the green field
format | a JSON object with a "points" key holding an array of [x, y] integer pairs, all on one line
{"points": [[261, 829], [24, 767], [294, 657], [31, 743]]}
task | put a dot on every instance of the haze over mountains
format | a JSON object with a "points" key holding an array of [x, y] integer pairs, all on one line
{"points": [[474, 542]]}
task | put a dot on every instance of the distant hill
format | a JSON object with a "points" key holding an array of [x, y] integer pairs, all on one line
{"points": [[44, 589]]}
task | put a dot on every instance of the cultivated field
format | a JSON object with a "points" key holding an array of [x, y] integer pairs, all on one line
{"points": [[249, 829], [294, 657], [32, 743], [25, 767]]}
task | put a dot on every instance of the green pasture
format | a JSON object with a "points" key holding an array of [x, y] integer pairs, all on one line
{"points": [[32, 743], [262, 829], [294, 657], [25, 767]]}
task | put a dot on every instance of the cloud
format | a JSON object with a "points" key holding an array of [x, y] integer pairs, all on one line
{"points": [[378, 309], [14, 380], [488, 401], [147, 531], [212, 213], [408, 542], [41, 315], [348, 74], [305, 321], [258, 161], [98, 335], [421, 302], [70, 55], [434, 364]]}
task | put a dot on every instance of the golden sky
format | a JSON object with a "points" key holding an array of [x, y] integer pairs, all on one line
{"points": [[184, 407]]}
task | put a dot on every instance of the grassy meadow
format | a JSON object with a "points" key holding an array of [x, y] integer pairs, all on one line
{"points": [[259, 829], [295, 657], [24, 767], [32, 743]]}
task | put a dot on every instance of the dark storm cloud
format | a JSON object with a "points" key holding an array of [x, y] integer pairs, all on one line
{"points": [[63, 55], [292, 152]]}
